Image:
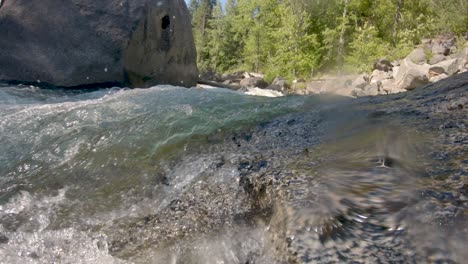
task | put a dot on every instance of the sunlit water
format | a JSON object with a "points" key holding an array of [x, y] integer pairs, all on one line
{"points": [[79, 169]]}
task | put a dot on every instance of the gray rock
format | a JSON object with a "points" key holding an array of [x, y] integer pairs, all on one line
{"points": [[439, 77], [235, 77], [395, 71], [315, 87], [3, 238], [437, 58], [426, 43], [211, 76], [300, 91], [253, 74], [453, 50], [281, 84], [436, 70], [388, 86], [336, 85], [464, 51], [383, 65], [276, 87], [440, 48], [85, 42], [418, 56], [372, 89], [358, 93], [378, 76], [411, 76], [254, 82], [396, 63], [360, 82], [448, 67], [463, 60]]}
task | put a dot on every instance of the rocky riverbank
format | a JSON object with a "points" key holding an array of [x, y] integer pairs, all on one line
{"points": [[433, 60]]}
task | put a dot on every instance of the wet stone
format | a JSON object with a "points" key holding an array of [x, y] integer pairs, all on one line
{"points": [[4, 239]]}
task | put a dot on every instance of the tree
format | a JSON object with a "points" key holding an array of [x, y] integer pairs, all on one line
{"points": [[296, 38], [341, 44], [217, 40], [297, 51], [200, 17], [193, 5], [397, 20]]}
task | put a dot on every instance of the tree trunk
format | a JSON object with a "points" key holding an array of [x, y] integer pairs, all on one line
{"points": [[396, 22], [342, 37], [204, 24], [257, 63]]}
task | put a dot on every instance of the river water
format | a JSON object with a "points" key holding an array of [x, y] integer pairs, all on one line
{"points": [[175, 175]]}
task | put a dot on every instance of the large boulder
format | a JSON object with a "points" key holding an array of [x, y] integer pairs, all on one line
{"points": [[279, 84], [372, 89], [87, 42], [379, 76], [437, 58], [463, 60], [443, 45], [234, 77], [280, 81], [448, 67], [411, 76], [440, 48], [361, 81], [417, 56], [342, 85], [388, 87]]}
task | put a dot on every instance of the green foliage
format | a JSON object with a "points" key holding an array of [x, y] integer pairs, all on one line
{"points": [[297, 51], [400, 51], [300, 38], [366, 48]]}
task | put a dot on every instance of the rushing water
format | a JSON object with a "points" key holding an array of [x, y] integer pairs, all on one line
{"points": [[174, 175]]}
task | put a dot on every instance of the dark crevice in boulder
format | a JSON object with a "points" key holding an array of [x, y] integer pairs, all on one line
{"points": [[165, 22]]}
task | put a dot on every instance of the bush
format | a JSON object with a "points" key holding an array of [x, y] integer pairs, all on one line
{"points": [[365, 49]]}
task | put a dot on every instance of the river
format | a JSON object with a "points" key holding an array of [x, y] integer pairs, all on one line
{"points": [[175, 175]]}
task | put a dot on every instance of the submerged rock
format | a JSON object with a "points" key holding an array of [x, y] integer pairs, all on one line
{"points": [[84, 42]]}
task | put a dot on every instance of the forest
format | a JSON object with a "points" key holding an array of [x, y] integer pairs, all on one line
{"points": [[306, 38]]}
